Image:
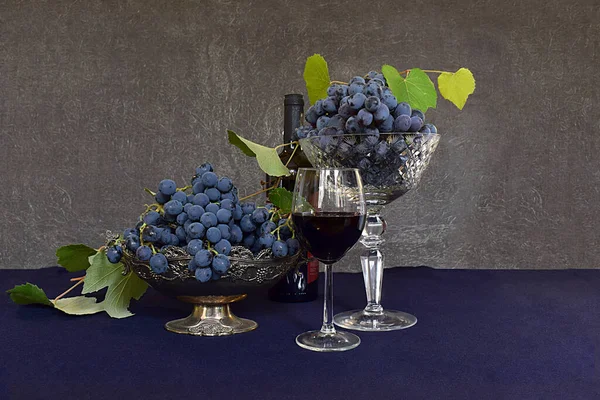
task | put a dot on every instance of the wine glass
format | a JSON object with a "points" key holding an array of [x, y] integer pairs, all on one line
{"points": [[329, 214]]}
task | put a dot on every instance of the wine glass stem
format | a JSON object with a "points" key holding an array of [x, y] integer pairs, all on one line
{"points": [[328, 327], [372, 261]]}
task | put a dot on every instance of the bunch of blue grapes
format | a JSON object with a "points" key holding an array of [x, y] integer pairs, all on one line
{"points": [[207, 223], [364, 105]]}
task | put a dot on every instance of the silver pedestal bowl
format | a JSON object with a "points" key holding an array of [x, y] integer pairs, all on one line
{"points": [[212, 315], [391, 164]]}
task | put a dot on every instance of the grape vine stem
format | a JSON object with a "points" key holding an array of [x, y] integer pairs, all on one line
{"points": [[60, 296]]}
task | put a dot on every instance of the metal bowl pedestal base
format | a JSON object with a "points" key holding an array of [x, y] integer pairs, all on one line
{"points": [[211, 317]]}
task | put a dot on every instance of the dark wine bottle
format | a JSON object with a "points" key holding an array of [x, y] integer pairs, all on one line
{"points": [[300, 284]]}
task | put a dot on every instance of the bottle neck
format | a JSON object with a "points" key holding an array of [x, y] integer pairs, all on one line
{"points": [[292, 119]]}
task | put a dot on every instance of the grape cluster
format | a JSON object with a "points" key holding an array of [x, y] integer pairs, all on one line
{"points": [[206, 222], [364, 105]]}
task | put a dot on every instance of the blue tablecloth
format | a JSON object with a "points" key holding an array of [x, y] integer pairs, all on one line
{"points": [[481, 335]]}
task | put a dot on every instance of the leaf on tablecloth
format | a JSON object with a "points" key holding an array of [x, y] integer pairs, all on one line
{"points": [[29, 294]]}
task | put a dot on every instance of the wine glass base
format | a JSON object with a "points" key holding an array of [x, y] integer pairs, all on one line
{"points": [[387, 320], [319, 341]]}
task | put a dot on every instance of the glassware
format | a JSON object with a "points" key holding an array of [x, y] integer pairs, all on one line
{"points": [[390, 164], [329, 212]]}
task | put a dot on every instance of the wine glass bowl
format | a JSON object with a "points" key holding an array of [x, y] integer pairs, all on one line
{"points": [[391, 164], [212, 315]]}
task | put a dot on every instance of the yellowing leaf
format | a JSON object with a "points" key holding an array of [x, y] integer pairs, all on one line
{"points": [[79, 305], [316, 76], [456, 87], [267, 157]]}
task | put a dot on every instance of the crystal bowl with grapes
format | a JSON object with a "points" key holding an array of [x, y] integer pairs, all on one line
{"points": [[200, 244]]}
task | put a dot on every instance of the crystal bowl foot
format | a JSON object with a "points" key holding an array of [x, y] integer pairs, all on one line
{"points": [[211, 316], [386, 320]]}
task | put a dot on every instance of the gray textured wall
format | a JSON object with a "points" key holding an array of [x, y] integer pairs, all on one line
{"points": [[101, 98]]}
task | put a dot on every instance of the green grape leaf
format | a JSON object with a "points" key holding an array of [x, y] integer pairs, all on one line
{"points": [[74, 257], [456, 87], [282, 199], [121, 288], [79, 305], [416, 89], [29, 294], [316, 76], [267, 157]]}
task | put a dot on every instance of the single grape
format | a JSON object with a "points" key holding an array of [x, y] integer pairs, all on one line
{"points": [[213, 193], [311, 116], [173, 207], [418, 113], [293, 246], [387, 125], [151, 218], [220, 263], [174, 240], [372, 74], [132, 243], [167, 187], [210, 179], [223, 247], [248, 241], [206, 167], [186, 208], [201, 199], [224, 185], [236, 234], [198, 187], [180, 196], [165, 236], [195, 212], [318, 107], [402, 109], [181, 218], [229, 196], [352, 125], [224, 216], [161, 198], [425, 129], [187, 224], [322, 122], [382, 113], [284, 229], [113, 255], [196, 230], [260, 215], [341, 91], [143, 253], [416, 123], [203, 258], [378, 81], [357, 101], [371, 103], [343, 101], [194, 246], [267, 227], [213, 208], [330, 105], [390, 101], [181, 234], [373, 89], [208, 219], [151, 234], [280, 249], [246, 224], [213, 234], [402, 123], [358, 79], [228, 205], [301, 132], [364, 117], [266, 240], [159, 263], [238, 213], [225, 231], [192, 266], [203, 274]]}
